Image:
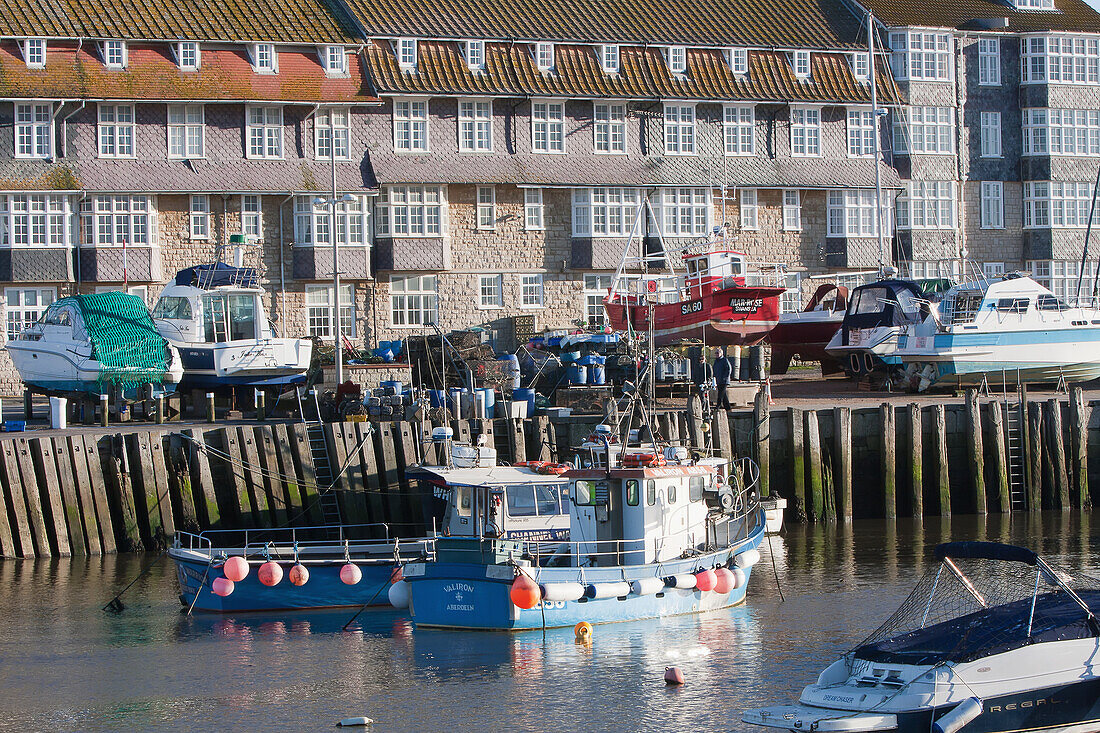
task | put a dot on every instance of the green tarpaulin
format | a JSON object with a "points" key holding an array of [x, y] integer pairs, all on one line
{"points": [[124, 338]]}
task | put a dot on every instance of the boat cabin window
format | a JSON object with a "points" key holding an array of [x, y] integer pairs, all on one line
{"points": [[229, 317], [537, 500], [57, 316], [650, 492], [585, 493], [632, 492], [868, 300], [696, 484], [1050, 303], [521, 501], [672, 493], [1013, 305], [174, 307], [463, 496]]}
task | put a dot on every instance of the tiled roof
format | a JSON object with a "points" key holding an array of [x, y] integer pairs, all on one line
{"points": [[1071, 15], [768, 23], [597, 170], [277, 21], [152, 74], [644, 74]]}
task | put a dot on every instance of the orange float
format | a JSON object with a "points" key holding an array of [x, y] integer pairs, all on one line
{"points": [[235, 568], [270, 573], [705, 580], [525, 592], [298, 575]]}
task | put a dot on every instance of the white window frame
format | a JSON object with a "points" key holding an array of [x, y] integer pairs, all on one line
{"points": [[739, 129], [805, 131], [252, 216], [115, 54], [486, 207], [313, 222], [410, 125], [684, 211], [1072, 132], [198, 216], [490, 291], [334, 59], [19, 315], [532, 292], [265, 58], [609, 128], [414, 300], [406, 53], [411, 211], [921, 55], [861, 132], [318, 304], [187, 134], [605, 212], [991, 270], [264, 132], [1058, 58], [738, 60], [544, 56], [474, 51], [677, 59], [679, 128], [992, 205], [924, 131], [1062, 276], [861, 65], [475, 125], [115, 130], [341, 123], [596, 285], [927, 205], [850, 212], [36, 220], [609, 58], [1057, 204], [792, 210], [989, 134], [34, 52], [34, 131], [548, 126], [989, 61], [114, 221], [749, 201], [800, 64], [188, 55], [534, 210]]}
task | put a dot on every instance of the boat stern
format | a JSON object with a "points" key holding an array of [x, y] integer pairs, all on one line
{"points": [[806, 717]]}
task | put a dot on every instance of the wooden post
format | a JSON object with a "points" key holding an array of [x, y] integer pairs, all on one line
{"points": [[93, 463], [1080, 413], [118, 484], [695, 415], [538, 441], [104, 410], [916, 461], [265, 446], [763, 452], [1035, 451], [59, 522], [516, 440], [8, 546], [798, 462], [356, 481], [242, 505], [389, 480], [1056, 444], [889, 461], [720, 434], [943, 478], [249, 468], [299, 444], [379, 506], [814, 474], [261, 406], [337, 456], [79, 510], [13, 491], [842, 473], [210, 413], [160, 409], [975, 450], [1000, 457], [291, 487], [179, 481], [28, 405], [200, 474]]}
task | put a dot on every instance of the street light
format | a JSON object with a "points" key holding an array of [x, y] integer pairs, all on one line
{"points": [[337, 328]]}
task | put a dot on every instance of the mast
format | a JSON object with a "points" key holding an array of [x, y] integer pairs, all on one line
{"points": [[871, 69]]}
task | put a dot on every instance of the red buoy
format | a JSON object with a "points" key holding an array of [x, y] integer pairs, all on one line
{"points": [[222, 587], [270, 573], [350, 574], [673, 676], [705, 580], [724, 580], [235, 568], [525, 592], [298, 575]]}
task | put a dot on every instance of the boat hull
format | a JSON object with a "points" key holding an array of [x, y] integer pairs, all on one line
{"points": [[265, 363], [62, 371], [805, 337], [738, 316]]}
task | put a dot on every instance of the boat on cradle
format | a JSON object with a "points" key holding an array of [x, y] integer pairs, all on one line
{"points": [[1010, 326], [214, 314], [90, 344], [993, 639], [807, 332]]}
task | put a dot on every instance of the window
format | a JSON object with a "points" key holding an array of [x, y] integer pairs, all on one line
{"points": [[406, 53], [677, 59], [530, 291], [251, 217], [851, 213], [313, 221], [924, 130], [265, 132], [187, 54], [186, 136], [548, 127], [1056, 204], [328, 122], [114, 54], [116, 220], [800, 62], [684, 212], [791, 299], [200, 216], [861, 65], [989, 61], [414, 300], [475, 54], [116, 131], [792, 211], [929, 269], [335, 60], [921, 55], [173, 307], [610, 129], [604, 212], [738, 59], [264, 58], [33, 130], [679, 129], [489, 288], [1062, 132], [1061, 59], [595, 290], [486, 207], [738, 129], [410, 125], [34, 52], [805, 132], [544, 56], [1061, 276], [749, 214], [990, 134], [993, 269], [25, 306], [861, 133], [992, 203], [319, 310], [609, 58], [927, 205], [632, 492], [410, 211], [533, 213], [475, 126], [35, 220]]}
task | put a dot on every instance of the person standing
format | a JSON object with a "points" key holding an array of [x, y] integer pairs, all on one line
{"points": [[722, 371], [701, 375]]}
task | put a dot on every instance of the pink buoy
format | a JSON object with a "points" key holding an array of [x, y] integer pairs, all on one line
{"points": [[705, 580], [235, 568], [525, 593], [222, 587], [270, 573], [723, 580], [673, 676], [350, 574], [298, 575]]}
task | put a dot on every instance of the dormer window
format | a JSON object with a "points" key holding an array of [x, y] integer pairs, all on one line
{"points": [[34, 52], [475, 55], [114, 54], [738, 59], [264, 60], [544, 56], [861, 65], [1032, 4], [335, 60], [609, 58], [800, 61], [187, 53], [406, 53], [677, 59]]}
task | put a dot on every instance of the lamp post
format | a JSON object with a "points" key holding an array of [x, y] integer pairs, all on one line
{"points": [[337, 328]]}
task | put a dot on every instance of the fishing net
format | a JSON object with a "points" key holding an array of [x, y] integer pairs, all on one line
{"points": [[984, 599], [124, 338]]}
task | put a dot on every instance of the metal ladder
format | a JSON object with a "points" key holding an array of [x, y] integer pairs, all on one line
{"points": [[322, 467], [1017, 451]]}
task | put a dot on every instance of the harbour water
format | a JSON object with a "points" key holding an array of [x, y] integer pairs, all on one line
{"points": [[65, 665]]}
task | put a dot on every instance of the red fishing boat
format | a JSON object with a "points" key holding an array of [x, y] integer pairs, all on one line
{"points": [[807, 332]]}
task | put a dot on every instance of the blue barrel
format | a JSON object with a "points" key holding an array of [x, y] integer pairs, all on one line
{"points": [[436, 397], [525, 395], [577, 374], [597, 374], [568, 357], [392, 387], [512, 369], [490, 399], [454, 402]]}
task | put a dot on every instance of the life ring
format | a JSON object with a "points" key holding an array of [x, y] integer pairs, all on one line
{"points": [[645, 460], [555, 469], [535, 466]]}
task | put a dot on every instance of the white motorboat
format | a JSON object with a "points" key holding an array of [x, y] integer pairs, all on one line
{"points": [[94, 343], [876, 314], [1013, 326], [215, 315], [993, 639]]}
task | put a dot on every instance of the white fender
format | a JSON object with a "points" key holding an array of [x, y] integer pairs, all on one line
{"points": [[399, 594], [963, 713], [747, 559], [738, 578], [685, 581], [608, 590], [562, 591], [647, 586]]}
